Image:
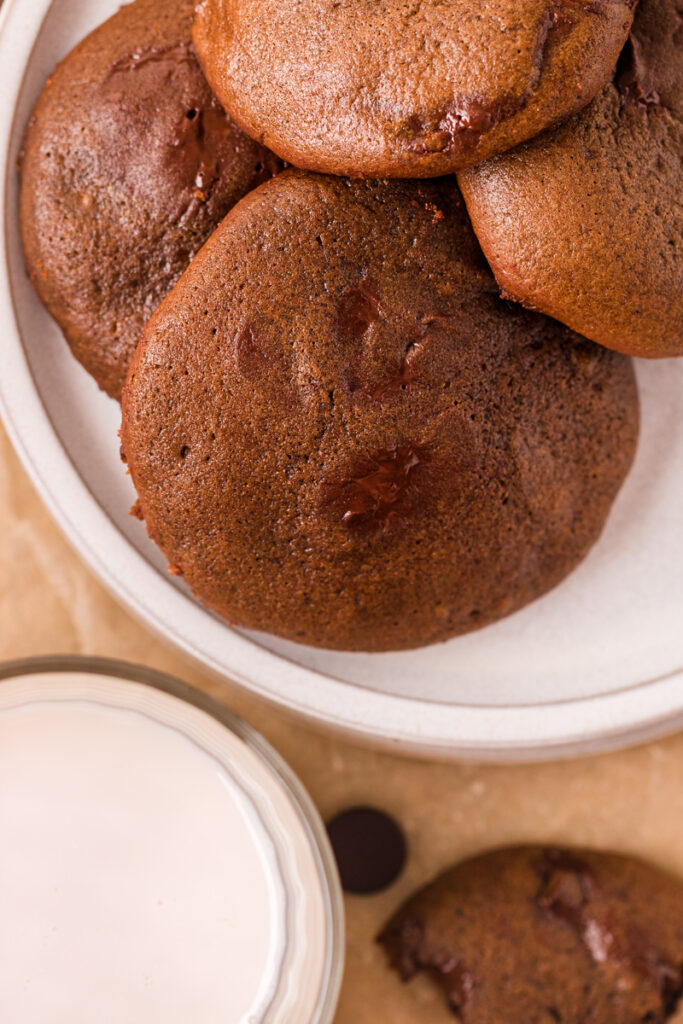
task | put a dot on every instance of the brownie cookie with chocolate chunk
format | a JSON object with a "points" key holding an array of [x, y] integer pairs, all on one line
{"points": [[128, 164], [340, 434], [547, 936], [384, 88], [586, 222]]}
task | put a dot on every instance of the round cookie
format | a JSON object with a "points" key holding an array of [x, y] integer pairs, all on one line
{"points": [[386, 89], [340, 434], [545, 936], [586, 223], [128, 165]]}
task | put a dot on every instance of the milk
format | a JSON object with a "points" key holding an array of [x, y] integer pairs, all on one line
{"points": [[151, 868]]}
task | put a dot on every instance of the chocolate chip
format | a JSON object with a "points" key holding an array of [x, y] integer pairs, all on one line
{"points": [[370, 848]]}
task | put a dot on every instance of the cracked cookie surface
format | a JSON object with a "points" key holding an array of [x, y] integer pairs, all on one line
{"points": [[128, 164], [586, 222], [405, 88], [340, 434], [547, 936]]}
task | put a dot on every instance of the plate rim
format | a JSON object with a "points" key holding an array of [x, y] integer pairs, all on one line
{"points": [[428, 728]]}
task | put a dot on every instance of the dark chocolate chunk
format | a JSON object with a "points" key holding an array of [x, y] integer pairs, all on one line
{"points": [[370, 848]]}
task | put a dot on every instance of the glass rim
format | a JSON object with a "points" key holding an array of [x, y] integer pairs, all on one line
{"points": [[285, 776]]}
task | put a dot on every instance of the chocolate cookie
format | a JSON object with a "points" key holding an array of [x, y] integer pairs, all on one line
{"points": [[128, 165], [586, 223], [340, 434], [543, 936], [407, 90]]}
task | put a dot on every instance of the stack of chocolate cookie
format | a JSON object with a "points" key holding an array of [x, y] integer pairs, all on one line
{"points": [[342, 427]]}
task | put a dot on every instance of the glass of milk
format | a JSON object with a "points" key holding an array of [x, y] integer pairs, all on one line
{"points": [[158, 860]]}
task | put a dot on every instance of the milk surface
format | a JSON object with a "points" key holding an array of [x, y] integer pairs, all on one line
{"points": [[137, 883]]}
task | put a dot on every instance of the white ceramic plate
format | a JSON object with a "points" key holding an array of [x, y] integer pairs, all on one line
{"points": [[597, 663]]}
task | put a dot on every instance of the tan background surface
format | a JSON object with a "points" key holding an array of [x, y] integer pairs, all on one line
{"points": [[633, 801]]}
